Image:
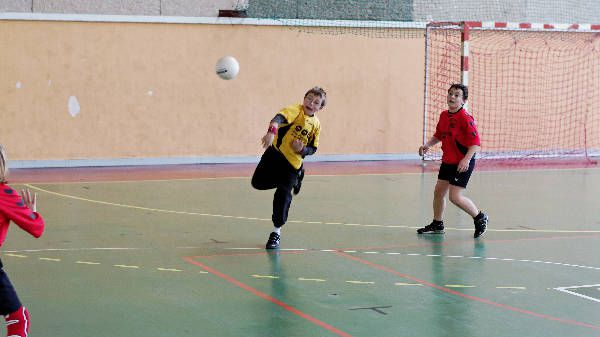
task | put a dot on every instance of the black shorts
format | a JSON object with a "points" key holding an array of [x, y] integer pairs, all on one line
{"points": [[274, 171], [9, 301], [450, 173]]}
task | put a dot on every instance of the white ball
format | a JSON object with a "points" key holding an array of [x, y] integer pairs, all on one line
{"points": [[227, 67]]}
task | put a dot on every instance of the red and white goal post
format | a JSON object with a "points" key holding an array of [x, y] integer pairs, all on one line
{"points": [[534, 89]]}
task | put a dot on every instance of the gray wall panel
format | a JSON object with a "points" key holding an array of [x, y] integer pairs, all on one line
{"points": [[114, 7], [543, 11], [15, 5], [199, 8]]}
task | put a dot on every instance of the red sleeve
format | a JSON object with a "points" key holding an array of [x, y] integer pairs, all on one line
{"points": [[438, 132], [13, 207], [469, 135]]}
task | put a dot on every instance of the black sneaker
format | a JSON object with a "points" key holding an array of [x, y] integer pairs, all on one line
{"points": [[432, 228], [273, 242], [481, 222], [299, 182]]}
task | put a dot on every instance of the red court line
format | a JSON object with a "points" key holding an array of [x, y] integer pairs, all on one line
{"points": [[473, 298], [251, 254], [198, 171], [264, 296]]}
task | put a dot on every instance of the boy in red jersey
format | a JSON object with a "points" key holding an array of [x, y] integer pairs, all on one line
{"points": [[21, 209], [457, 131], [292, 134]]}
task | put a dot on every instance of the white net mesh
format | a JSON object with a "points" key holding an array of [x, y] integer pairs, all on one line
{"points": [[533, 93]]}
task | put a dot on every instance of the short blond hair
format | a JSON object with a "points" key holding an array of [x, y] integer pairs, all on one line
{"points": [[3, 168]]}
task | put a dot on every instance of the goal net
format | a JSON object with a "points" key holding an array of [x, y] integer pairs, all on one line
{"points": [[534, 91]]}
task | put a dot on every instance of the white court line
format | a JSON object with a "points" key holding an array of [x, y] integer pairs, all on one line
{"points": [[564, 289], [13, 253], [477, 257]]}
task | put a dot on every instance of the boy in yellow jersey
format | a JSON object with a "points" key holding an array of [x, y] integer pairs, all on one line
{"points": [[292, 134]]}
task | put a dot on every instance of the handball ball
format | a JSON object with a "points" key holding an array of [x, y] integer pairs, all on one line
{"points": [[227, 67]]}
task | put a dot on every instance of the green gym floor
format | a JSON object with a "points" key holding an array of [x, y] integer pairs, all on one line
{"points": [[179, 251]]}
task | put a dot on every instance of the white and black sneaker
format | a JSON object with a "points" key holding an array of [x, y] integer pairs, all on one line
{"points": [[435, 227], [480, 221], [273, 242]]}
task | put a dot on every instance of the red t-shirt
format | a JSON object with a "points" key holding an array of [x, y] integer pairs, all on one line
{"points": [[13, 208], [457, 132]]}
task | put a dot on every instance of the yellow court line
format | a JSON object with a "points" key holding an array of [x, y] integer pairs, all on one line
{"points": [[311, 279], [169, 269], [126, 266], [265, 276], [15, 255], [137, 207], [158, 210], [493, 171], [458, 286]]}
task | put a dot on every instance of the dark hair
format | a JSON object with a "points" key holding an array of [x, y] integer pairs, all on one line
{"points": [[318, 91], [462, 87]]}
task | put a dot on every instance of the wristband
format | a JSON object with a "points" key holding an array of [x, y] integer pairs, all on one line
{"points": [[272, 130]]}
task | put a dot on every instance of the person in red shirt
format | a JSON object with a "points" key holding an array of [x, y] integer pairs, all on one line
{"points": [[457, 131], [20, 209]]}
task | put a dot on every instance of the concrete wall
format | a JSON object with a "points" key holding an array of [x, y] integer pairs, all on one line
{"points": [[92, 90], [77, 90], [389, 10], [555, 11], [208, 8]]}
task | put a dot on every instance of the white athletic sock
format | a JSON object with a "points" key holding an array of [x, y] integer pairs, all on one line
{"points": [[277, 230]]}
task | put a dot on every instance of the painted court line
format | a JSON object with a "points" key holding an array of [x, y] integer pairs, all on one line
{"points": [[361, 282], [169, 269], [158, 210], [311, 279], [565, 290], [268, 298], [126, 266], [408, 284], [87, 262], [71, 249], [15, 255], [265, 276], [470, 297], [477, 257]]}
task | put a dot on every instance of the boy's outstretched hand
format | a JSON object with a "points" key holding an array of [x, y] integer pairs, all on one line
{"points": [[29, 200], [267, 139], [423, 149]]}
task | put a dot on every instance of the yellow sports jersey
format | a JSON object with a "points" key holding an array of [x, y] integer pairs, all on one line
{"points": [[297, 126]]}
